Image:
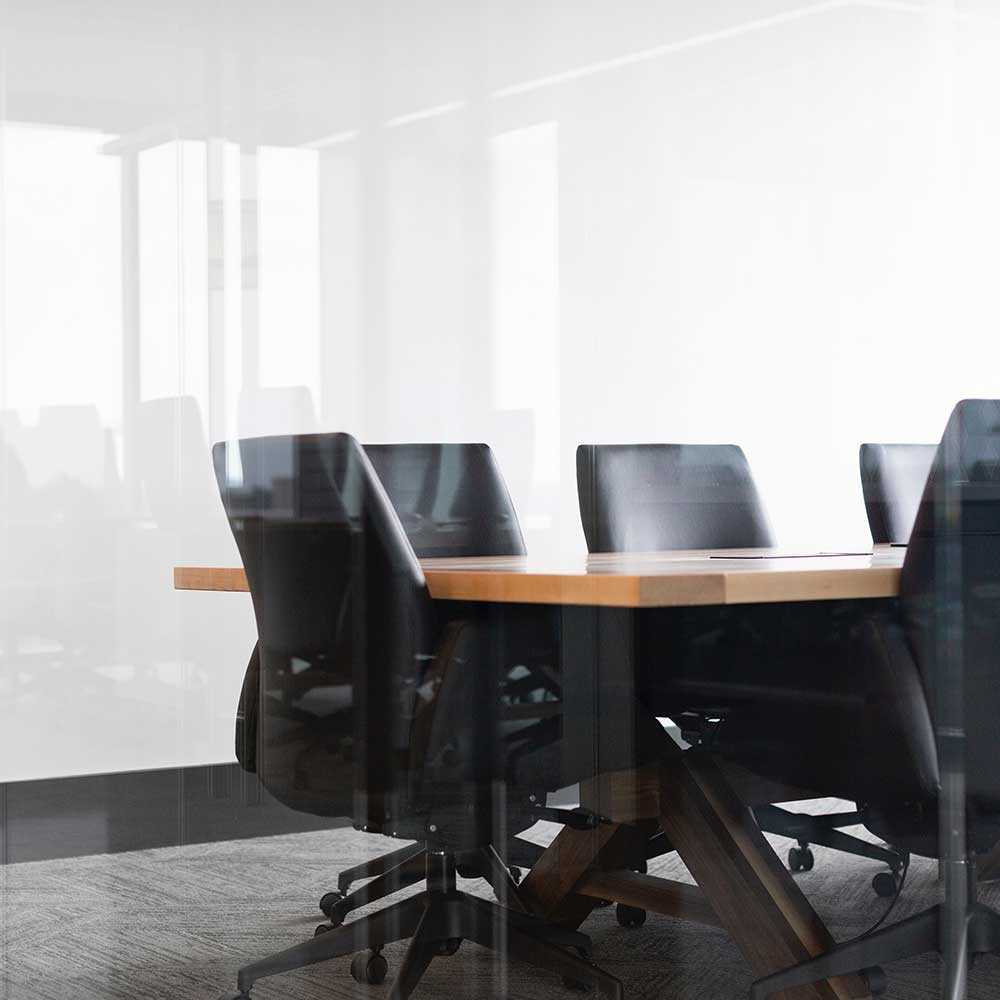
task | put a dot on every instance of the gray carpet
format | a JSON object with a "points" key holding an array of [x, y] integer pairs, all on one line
{"points": [[176, 923]]}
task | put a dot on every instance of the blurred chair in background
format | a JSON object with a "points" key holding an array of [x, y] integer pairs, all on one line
{"points": [[893, 477]]}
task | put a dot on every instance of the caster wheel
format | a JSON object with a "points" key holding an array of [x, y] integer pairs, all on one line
{"points": [[369, 967], [450, 946], [876, 979], [630, 916], [328, 904], [885, 884], [324, 929], [800, 859], [516, 874]]}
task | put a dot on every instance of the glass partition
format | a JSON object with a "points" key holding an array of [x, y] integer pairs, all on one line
{"points": [[589, 296]]}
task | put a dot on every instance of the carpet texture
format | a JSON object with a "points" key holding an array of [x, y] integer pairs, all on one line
{"points": [[176, 923]]}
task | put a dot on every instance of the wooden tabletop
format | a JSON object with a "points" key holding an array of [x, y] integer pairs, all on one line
{"points": [[638, 580]]}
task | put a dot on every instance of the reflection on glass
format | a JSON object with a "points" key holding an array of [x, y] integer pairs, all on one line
{"points": [[524, 227]]}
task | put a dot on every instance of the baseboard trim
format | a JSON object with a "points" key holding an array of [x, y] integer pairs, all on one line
{"points": [[135, 810]]}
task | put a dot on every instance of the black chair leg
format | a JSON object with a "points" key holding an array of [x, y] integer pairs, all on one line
{"points": [[984, 930], [909, 937], [825, 830], [377, 866], [409, 872], [424, 946], [553, 933], [394, 923], [504, 887], [482, 926]]}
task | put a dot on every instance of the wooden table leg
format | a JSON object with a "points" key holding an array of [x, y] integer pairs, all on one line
{"points": [[751, 891], [647, 892], [548, 889], [743, 886]]}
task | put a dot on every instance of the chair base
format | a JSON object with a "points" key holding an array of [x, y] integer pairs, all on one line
{"points": [[436, 921], [825, 830], [411, 867], [519, 852], [913, 936], [391, 872], [377, 866]]}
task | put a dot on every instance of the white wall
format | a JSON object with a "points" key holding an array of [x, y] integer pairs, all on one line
{"points": [[535, 224]]}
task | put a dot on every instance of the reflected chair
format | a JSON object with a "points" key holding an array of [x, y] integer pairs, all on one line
{"points": [[893, 477], [70, 531], [934, 721], [660, 497], [282, 409], [19, 555], [178, 518], [376, 706], [452, 502], [173, 465]]}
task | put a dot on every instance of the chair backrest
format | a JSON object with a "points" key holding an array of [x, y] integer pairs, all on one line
{"points": [[950, 591], [343, 620], [893, 477], [453, 502], [451, 498], [648, 497]]}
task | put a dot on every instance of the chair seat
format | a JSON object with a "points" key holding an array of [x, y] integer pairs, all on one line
{"points": [[915, 826]]}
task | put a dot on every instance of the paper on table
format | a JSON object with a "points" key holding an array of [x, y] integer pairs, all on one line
{"points": [[791, 555]]}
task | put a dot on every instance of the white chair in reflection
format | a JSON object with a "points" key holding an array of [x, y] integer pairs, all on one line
{"points": [[287, 409]]}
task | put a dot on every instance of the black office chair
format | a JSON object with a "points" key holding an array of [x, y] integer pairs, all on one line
{"points": [[373, 705], [659, 497], [893, 477], [452, 501], [934, 712]]}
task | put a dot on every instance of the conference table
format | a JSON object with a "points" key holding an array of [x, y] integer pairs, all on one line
{"points": [[702, 805]]}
